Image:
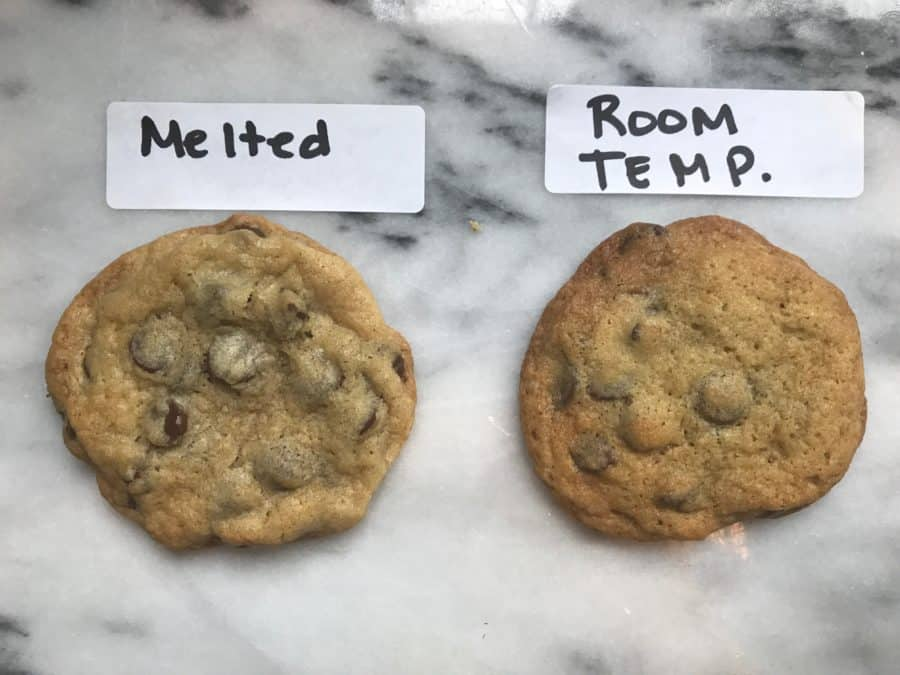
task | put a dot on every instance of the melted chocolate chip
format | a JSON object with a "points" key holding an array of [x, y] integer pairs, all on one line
{"points": [[176, 422], [635, 334], [137, 356], [673, 502], [369, 423], [399, 366], [593, 454], [564, 386], [288, 465]]}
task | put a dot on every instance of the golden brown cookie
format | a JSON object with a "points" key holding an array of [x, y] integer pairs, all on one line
{"points": [[690, 376], [234, 382]]}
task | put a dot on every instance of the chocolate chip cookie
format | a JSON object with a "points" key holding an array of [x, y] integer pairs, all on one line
{"points": [[234, 382], [691, 376]]}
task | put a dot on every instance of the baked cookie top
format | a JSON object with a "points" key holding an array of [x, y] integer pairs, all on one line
{"points": [[234, 382], [690, 376]]}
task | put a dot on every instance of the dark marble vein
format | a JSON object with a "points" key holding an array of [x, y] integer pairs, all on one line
{"points": [[9, 625], [12, 633], [402, 241], [574, 25], [888, 70], [475, 204], [219, 9], [402, 80], [13, 88], [475, 73], [519, 137], [832, 49], [635, 76]]}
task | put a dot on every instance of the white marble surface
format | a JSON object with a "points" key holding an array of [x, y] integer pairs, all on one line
{"points": [[464, 563]]}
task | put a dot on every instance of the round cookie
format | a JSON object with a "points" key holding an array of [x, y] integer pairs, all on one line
{"points": [[691, 376], [233, 383]]}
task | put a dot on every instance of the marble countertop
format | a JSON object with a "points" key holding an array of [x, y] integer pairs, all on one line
{"points": [[464, 564]]}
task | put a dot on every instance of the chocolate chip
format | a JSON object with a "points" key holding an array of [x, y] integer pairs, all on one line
{"points": [[369, 423], [593, 454], [674, 502], [564, 386], [165, 422], [288, 465], [635, 334], [684, 502], [399, 366], [658, 230], [724, 397], [137, 356], [156, 345], [316, 376], [235, 357], [605, 386], [255, 230], [176, 422]]}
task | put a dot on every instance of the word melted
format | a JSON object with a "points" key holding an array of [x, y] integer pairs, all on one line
{"points": [[249, 142], [739, 159]]}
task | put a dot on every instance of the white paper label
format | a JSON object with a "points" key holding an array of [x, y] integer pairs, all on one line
{"points": [[664, 140], [265, 156]]}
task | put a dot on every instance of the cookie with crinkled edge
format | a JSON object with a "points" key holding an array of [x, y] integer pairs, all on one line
{"points": [[234, 382], [691, 376]]}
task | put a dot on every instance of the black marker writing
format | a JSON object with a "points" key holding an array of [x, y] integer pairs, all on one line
{"points": [[667, 127], [642, 122], [681, 170], [599, 159], [634, 167], [251, 138], [735, 170], [277, 143], [189, 144], [607, 118], [228, 136], [316, 144]]}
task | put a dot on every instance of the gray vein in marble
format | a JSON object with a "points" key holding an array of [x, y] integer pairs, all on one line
{"points": [[124, 627], [219, 9], [401, 241], [574, 25], [13, 88], [11, 625], [12, 635]]}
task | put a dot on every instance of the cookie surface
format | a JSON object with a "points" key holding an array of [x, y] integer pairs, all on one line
{"points": [[690, 376], [233, 382]]}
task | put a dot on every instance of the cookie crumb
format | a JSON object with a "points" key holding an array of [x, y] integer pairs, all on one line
{"points": [[474, 225]]}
